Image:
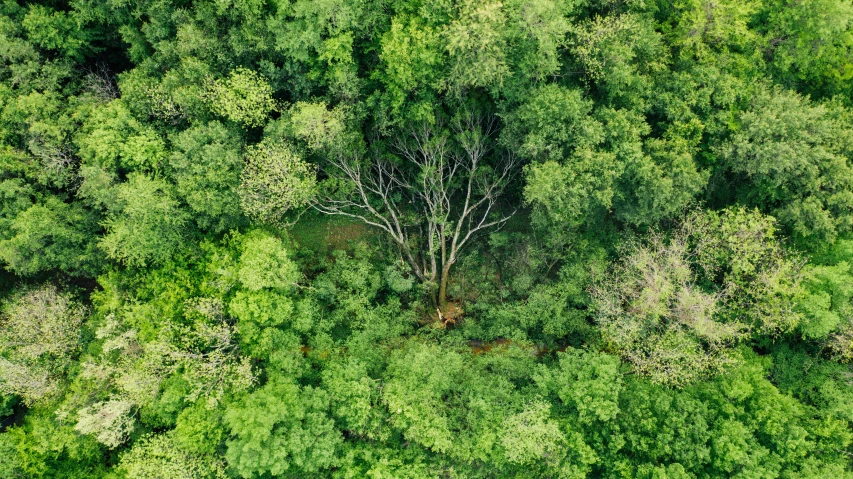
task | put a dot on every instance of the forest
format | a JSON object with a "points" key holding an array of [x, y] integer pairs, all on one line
{"points": [[426, 239]]}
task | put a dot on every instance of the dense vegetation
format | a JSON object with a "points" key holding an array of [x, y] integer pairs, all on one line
{"points": [[426, 239]]}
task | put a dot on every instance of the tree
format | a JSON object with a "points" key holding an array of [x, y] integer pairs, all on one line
{"points": [[157, 456], [674, 307], [110, 422], [412, 58], [587, 382], [617, 53], [206, 166], [531, 435], [568, 175], [39, 337], [281, 429], [265, 263], [827, 300], [808, 45], [792, 159], [50, 235], [355, 401], [112, 139], [434, 201], [476, 41], [703, 31], [244, 97], [275, 181], [146, 224]]}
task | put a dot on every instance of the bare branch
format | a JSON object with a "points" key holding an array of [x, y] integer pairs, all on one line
{"points": [[443, 182]]}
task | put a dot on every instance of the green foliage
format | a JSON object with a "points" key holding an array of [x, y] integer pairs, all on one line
{"points": [[533, 435], [146, 223], [617, 53], [42, 447], [795, 160], [476, 43], [51, 235], [662, 179], [826, 301], [7, 405], [114, 140], [281, 429], [199, 429], [274, 181], [318, 127], [810, 44], [207, 166], [412, 60], [473, 412], [244, 97], [173, 166], [571, 176], [355, 400], [701, 30], [157, 456], [587, 382]]}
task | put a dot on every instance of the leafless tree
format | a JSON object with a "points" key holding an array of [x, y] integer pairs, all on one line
{"points": [[100, 81], [432, 202]]}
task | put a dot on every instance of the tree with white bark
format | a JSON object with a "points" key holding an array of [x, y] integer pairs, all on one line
{"points": [[437, 190], [430, 189]]}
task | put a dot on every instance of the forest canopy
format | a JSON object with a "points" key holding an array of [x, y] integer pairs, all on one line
{"points": [[426, 239]]}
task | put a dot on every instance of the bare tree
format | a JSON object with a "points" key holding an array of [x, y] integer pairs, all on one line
{"points": [[432, 202], [101, 82]]}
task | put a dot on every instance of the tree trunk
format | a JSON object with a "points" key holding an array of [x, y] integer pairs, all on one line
{"points": [[442, 286]]}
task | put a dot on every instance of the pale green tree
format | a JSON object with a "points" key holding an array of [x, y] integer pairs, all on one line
{"points": [[39, 337], [158, 456], [244, 97], [276, 180], [110, 422], [674, 307]]}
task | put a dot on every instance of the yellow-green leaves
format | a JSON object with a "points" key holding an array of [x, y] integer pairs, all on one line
{"points": [[146, 225], [244, 97], [156, 456], [531, 436], [319, 127], [113, 139], [674, 307], [275, 181], [477, 44], [706, 28], [58, 31], [265, 264], [39, 336], [413, 57]]}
